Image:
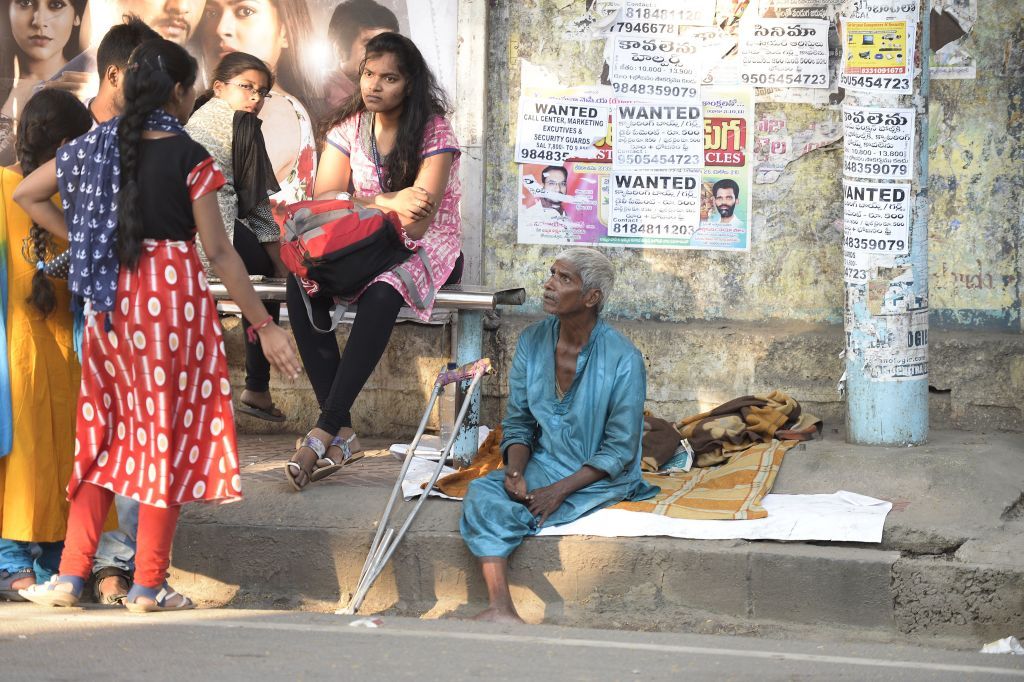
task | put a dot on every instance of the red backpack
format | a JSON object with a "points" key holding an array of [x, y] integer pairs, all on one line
{"points": [[336, 249]]}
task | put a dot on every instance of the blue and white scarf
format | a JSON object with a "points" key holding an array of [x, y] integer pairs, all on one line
{"points": [[89, 177]]}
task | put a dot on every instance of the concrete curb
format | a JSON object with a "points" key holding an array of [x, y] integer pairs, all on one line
{"points": [[649, 583]]}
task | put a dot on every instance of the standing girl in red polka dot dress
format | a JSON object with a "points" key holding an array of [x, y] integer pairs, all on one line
{"points": [[155, 419]]}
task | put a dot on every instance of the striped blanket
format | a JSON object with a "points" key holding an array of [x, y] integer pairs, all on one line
{"points": [[732, 490]]}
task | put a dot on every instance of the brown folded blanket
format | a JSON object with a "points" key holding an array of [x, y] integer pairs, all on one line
{"points": [[716, 435]]}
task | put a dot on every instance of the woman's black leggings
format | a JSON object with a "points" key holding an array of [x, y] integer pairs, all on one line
{"points": [[338, 378], [257, 262]]}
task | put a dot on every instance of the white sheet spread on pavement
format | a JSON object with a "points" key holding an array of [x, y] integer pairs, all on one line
{"points": [[420, 471], [838, 517], [430, 445]]}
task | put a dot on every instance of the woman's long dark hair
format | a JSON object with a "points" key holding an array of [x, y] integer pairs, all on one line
{"points": [[230, 66], [49, 119], [424, 98], [153, 70]]}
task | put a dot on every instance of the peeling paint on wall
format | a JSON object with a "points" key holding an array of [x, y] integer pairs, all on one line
{"points": [[794, 270]]}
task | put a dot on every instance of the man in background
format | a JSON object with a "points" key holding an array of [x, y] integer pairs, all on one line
{"points": [[353, 24], [171, 19]]}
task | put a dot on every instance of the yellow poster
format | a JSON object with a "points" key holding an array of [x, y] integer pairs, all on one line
{"points": [[876, 47]]}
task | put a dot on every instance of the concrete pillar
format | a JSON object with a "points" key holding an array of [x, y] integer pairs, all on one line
{"points": [[882, 409], [469, 348]]}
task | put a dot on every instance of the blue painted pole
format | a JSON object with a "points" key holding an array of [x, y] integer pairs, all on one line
{"points": [[887, 316], [470, 347]]}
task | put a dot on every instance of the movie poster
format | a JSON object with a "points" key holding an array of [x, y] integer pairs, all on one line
{"points": [[728, 170], [313, 47]]}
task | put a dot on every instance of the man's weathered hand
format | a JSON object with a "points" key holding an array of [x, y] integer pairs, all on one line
{"points": [[515, 486], [544, 501]]}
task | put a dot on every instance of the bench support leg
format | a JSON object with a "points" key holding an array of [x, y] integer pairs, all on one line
{"points": [[470, 334]]}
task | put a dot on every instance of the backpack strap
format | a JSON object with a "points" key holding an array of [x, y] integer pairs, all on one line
{"points": [[338, 310]]}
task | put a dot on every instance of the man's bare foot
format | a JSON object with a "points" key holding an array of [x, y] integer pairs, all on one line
{"points": [[111, 589], [496, 615]]}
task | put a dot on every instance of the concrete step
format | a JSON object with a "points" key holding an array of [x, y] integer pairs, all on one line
{"points": [[306, 551]]}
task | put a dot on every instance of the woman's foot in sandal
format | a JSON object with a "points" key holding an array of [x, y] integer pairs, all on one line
{"points": [[63, 590], [149, 599], [260, 405], [308, 451], [343, 450]]}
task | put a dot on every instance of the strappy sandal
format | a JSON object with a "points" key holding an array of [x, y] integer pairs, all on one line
{"points": [[7, 580], [327, 466], [163, 599], [47, 594], [293, 469]]}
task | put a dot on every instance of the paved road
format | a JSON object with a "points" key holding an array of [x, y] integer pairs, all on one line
{"points": [[226, 644]]}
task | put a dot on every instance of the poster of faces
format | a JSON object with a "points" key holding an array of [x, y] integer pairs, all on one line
{"points": [[314, 48]]}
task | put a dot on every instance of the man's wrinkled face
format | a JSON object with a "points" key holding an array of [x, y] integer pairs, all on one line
{"points": [[563, 290]]}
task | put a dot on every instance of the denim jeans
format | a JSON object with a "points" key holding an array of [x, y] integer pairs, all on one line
{"points": [[117, 547], [41, 557]]}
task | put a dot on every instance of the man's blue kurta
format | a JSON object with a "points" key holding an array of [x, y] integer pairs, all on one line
{"points": [[599, 423]]}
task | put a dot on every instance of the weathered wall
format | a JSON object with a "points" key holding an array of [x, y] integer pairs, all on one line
{"points": [[976, 145], [714, 325], [794, 268]]}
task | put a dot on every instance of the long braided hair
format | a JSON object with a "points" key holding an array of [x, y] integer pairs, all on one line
{"points": [[49, 119], [424, 99], [154, 68]]}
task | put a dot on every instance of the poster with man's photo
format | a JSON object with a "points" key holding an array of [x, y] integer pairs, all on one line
{"points": [[313, 47], [565, 203]]}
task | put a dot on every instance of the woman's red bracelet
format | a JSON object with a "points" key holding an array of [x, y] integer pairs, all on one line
{"points": [[253, 328]]}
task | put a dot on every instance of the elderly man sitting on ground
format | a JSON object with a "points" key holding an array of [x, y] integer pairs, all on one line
{"points": [[572, 427]]}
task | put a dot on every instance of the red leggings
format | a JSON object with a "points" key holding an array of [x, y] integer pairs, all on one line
{"points": [[89, 510]]}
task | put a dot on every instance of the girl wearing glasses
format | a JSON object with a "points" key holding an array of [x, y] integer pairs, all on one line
{"points": [[227, 123], [278, 32]]}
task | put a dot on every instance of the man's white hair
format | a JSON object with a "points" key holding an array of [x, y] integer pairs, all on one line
{"points": [[594, 269]]}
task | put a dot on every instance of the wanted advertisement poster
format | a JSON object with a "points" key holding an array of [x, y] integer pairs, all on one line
{"points": [[727, 177], [654, 208], [785, 53], [879, 142], [878, 56], [553, 129], [658, 135], [876, 217], [876, 227]]}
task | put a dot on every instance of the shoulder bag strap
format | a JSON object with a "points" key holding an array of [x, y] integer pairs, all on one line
{"points": [[410, 284]]}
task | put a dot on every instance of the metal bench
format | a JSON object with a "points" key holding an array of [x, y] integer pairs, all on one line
{"points": [[467, 302]]}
